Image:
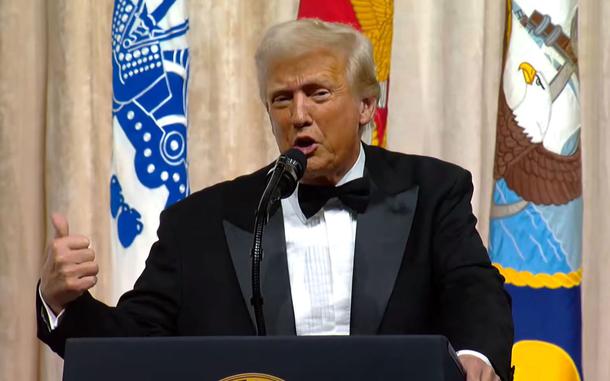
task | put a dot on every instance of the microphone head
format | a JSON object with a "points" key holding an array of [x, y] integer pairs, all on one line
{"points": [[292, 165], [298, 160]]}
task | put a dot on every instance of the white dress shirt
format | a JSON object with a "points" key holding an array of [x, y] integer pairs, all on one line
{"points": [[320, 252]]}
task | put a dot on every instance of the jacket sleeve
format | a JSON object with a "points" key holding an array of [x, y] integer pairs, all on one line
{"points": [[150, 309], [475, 308]]}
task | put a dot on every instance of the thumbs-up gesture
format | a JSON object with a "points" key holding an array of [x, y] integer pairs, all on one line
{"points": [[69, 269]]}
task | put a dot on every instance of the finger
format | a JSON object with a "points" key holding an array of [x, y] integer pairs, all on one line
{"points": [[84, 255], [87, 269], [76, 257], [473, 374], [478, 376], [76, 242], [69, 273], [72, 272], [490, 374], [62, 248], [86, 283], [60, 224]]}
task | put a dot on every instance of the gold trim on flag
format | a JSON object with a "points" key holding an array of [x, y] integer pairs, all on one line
{"points": [[552, 281]]}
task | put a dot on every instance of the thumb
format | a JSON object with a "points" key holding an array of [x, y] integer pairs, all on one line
{"points": [[60, 224]]}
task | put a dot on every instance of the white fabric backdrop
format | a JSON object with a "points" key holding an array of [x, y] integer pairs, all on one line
{"points": [[55, 124]]}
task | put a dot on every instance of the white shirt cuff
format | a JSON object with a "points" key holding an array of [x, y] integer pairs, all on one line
{"points": [[472, 353], [53, 321]]}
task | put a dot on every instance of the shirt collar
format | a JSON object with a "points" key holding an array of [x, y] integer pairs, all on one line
{"points": [[355, 172]]}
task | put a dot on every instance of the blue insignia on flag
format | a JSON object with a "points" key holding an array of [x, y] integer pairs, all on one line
{"points": [[149, 104], [128, 219]]}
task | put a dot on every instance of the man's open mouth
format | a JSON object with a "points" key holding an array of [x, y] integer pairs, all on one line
{"points": [[306, 145]]}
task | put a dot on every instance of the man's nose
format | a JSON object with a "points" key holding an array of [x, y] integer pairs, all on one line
{"points": [[299, 113]]}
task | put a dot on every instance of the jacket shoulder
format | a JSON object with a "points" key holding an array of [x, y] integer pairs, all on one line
{"points": [[424, 171], [241, 193]]}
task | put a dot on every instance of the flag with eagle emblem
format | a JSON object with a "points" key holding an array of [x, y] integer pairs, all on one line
{"points": [[150, 66], [536, 216], [374, 18]]}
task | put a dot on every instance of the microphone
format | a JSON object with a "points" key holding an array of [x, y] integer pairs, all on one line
{"points": [[285, 174], [282, 180]]}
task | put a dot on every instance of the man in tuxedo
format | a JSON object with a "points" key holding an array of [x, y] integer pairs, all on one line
{"points": [[403, 257]]}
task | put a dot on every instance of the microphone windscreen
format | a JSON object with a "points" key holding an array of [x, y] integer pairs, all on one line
{"points": [[300, 159]]}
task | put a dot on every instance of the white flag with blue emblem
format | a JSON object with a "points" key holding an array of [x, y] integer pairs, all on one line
{"points": [[150, 66]]}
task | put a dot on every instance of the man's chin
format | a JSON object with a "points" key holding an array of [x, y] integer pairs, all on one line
{"points": [[316, 177]]}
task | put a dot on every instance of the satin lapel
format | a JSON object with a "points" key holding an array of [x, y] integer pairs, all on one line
{"points": [[381, 236], [275, 281], [240, 243]]}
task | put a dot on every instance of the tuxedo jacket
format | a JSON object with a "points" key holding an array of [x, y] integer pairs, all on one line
{"points": [[419, 267]]}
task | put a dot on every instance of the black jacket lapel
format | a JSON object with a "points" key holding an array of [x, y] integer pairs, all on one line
{"points": [[275, 281], [277, 297], [381, 236], [240, 242]]}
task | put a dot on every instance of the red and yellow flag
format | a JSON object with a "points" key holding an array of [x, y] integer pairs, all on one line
{"points": [[373, 18]]}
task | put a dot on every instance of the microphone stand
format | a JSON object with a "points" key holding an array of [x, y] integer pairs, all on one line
{"points": [[269, 197], [288, 169]]}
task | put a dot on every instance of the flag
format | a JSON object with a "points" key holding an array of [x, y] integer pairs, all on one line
{"points": [[374, 18], [150, 67], [536, 216]]}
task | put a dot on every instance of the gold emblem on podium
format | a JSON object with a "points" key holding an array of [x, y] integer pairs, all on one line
{"points": [[252, 377]]}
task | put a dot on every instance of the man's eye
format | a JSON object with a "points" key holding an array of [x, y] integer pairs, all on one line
{"points": [[280, 99], [321, 94]]}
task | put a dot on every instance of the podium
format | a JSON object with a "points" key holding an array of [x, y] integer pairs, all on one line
{"points": [[271, 358]]}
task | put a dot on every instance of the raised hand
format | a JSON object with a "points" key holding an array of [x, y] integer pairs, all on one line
{"points": [[69, 269]]}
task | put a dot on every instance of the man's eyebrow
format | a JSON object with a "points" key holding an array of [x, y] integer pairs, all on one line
{"points": [[278, 92], [308, 86], [322, 80]]}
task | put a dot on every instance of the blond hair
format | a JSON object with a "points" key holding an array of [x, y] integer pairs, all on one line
{"points": [[293, 38]]}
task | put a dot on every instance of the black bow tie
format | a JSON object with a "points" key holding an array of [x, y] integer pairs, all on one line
{"points": [[353, 194]]}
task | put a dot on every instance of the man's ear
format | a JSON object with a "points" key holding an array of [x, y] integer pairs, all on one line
{"points": [[368, 106]]}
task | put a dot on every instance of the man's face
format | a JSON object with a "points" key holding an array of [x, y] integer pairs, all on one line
{"points": [[312, 108]]}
